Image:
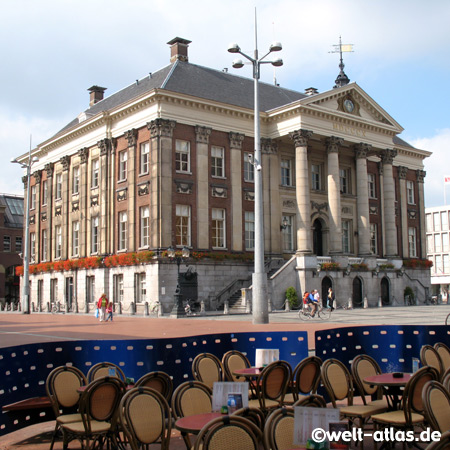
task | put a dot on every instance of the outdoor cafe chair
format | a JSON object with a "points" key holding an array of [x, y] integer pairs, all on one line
{"points": [[305, 379], [430, 357], [436, 403], [233, 360], [442, 444], [145, 418], [253, 414], [411, 413], [446, 379], [312, 400], [279, 429], [230, 432], [444, 353], [99, 413], [104, 369], [208, 369], [62, 386], [160, 381]]}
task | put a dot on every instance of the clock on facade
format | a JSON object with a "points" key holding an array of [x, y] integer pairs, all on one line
{"points": [[349, 105]]}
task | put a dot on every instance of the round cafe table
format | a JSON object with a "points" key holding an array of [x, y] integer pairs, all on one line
{"points": [[193, 424], [392, 386], [248, 372]]}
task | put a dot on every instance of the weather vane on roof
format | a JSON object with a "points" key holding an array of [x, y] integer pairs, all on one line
{"points": [[342, 78]]}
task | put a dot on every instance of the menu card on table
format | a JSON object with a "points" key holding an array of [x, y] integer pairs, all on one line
{"points": [[223, 391], [265, 356]]}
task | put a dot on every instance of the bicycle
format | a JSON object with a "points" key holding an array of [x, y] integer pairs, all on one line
{"points": [[56, 308], [447, 319], [154, 308], [322, 313]]}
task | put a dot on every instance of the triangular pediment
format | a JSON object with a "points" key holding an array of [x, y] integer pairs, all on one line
{"points": [[353, 103]]}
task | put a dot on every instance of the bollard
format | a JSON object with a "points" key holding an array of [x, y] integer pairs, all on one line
{"points": [[132, 308], [380, 302], [119, 308], [146, 309], [350, 303], [287, 307], [202, 308], [226, 310], [366, 303], [334, 304]]}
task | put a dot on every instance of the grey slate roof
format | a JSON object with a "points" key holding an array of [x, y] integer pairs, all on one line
{"points": [[14, 210], [201, 82]]}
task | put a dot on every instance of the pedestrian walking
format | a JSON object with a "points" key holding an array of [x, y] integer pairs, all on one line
{"points": [[109, 311], [101, 305]]}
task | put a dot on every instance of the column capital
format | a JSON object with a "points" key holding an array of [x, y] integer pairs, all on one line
{"points": [[49, 169], [202, 134], [65, 161], [362, 149], [25, 181], [161, 128], [236, 140], [131, 137], [333, 143], [402, 172], [37, 176], [300, 137], [420, 174], [105, 145], [387, 156], [268, 146], [83, 153]]}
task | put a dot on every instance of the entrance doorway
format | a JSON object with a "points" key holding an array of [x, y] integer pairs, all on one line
{"points": [[317, 238], [326, 284], [69, 292], [357, 294], [385, 291]]}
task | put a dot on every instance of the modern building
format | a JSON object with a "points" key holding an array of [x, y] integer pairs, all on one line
{"points": [[11, 233], [438, 249], [167, 162]]}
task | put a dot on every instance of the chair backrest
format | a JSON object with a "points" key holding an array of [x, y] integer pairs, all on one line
{"points": [[232, 361], [62, 386], [104, 369], [436, 402], [255, 415], [279, 429], [312, 400], [337, 381], [430, 357], [444, 354], [306, 375], [191, 397], [442, 444], [365, 366], [446, 379], [145, 417], [160, 381], [273, 381], [229, 432], [208, 369]]}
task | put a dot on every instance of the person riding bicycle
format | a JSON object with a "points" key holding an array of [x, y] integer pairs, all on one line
{"points": [[312, 302]]}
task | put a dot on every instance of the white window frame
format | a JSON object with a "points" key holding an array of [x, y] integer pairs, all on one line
{"points": [[123, 232], [410, 192], [445, 243], [183, 225], [182, 156], [76, 238], [58, 186], [53, 290], [144, 160], [444, 220], [217, 162], [95, 173], [144, 235], [374, 238], [249, 170], [436, 222], [58, 242], [76, 180], [249, 233], [316, 177], [118, 288], [372, 185], [90, 289], [95, 226], [44, 192], [288, 233], [44, 245], [218, 228], [445, 263], [430, 243], [412, 242], [286, 172], [33, 197], [346, 236], [123, 165], [344, 180], [437, 243], [141, 281]]}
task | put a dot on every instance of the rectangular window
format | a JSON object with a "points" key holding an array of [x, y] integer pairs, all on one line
{"points": [[76, 180], [288, 233], [436, 222], [344, 180], [182, 156], [444, 221], [44, 192], [445, 242], [218, 162], [6, 243], [437, 243], [32, 248], [430, 244], [429, 219], [218, 228], [438, 268], [123, 221], [94, 234], [95, 173], [118, 288], [445, 261], [249, 174], [286, 172], [44, 245], [123, 162], [183, 225], [53, 290], [249, 230], [144, 158], [412, 242], [58, 190], [346, 233], [141, 285], [372, 185], [58, 241], [316, 182], [18, 247], [75, 238], [373, 238], [145, 226], [410, 192], [33, 197], [90, 289]]}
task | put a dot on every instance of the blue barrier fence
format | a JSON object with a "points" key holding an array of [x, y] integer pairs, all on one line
{"points": [[24, 369]]}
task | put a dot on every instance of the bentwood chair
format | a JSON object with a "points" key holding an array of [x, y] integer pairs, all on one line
{"points": [[313, 400], [444, 354], [253, 414], [230, 432], [105, 369], [279, 429], [160, 381], [145, 418], [430, 357], [62, 386], [411, 414], [208, 369], [436, 403], [233, 360], [99, 413], [446, 379], [305, 379], [442, 444]]}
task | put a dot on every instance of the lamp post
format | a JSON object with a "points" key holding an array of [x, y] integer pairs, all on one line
{"points": [[26, 252], [178, 310], [260, 302]]}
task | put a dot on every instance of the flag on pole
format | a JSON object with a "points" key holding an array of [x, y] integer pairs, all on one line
{"points": [[446, 179]]}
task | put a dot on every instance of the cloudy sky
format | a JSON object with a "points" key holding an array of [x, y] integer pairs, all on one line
{"points": [[54, 50]]}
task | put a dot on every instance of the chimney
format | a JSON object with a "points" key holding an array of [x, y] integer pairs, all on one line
{"points": [[311, 91], [96, 94], [179, 49]]}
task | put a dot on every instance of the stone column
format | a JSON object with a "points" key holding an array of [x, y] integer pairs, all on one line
{"points": [[133, 229], [66, 235], [202, 140], [402, 172], [161, 151], [387, 158], [49, 170], [84, 155], [37, 215], [362, 198], [420, 174], [237, 231], [111, 224], [271, 195], [304, 241], [334, 194], [105, 205]]}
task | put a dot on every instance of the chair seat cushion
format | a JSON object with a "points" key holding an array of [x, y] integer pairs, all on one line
{"points": [[69, 418], [396, 417], [268, 403], [361, 410], [96, 427], [380, 403]]}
